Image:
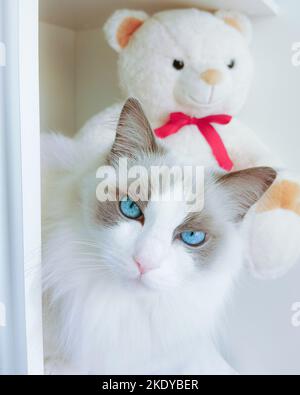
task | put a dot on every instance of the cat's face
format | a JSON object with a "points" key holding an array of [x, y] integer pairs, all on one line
{"points": [[155, 243]]}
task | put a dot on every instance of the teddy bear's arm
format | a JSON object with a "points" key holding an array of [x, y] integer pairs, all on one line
{"points": [[247, 150], [273, 238]]}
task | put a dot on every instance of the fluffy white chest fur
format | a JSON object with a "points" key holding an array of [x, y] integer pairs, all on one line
{"points": [[110, 329], [135, 285]]}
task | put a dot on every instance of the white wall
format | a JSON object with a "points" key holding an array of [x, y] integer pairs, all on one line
{"points": [[96, 75], [273, 106], [78, 77], [259, 323], [57, 78]]}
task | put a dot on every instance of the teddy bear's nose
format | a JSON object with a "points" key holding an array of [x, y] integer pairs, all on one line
{"points": [[212, 76]]}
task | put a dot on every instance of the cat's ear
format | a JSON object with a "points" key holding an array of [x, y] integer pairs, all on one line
{"points": [[134, 135], [246, 187], [121, 26]]}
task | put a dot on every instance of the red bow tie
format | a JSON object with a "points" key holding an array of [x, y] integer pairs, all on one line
{"points": [[178, 120]]}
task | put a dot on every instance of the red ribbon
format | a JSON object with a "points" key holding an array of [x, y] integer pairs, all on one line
{"points": [[178, 120]]}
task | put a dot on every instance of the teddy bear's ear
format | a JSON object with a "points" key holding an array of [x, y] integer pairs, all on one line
{"points": [[238, 21], [121, 26]]}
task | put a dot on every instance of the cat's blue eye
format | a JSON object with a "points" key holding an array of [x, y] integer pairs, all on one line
{"points": [[130, 209], [193, 238]]}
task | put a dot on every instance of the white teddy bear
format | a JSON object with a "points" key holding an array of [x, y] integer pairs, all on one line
{"points": [[191, 71]]}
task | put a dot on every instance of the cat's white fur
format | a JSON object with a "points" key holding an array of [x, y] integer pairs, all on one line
{"points": [[101, 316]]}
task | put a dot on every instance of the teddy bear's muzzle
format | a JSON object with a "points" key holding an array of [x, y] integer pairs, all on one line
{"points": [[209, 87], [212, 77]]}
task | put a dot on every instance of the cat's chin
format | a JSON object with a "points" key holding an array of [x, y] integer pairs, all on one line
{"points": [[144, 283], [155, 282], [150, 282]]}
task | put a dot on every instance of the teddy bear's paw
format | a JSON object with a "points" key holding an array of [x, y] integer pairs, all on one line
{"points": [[274, 243], [284, 194]]}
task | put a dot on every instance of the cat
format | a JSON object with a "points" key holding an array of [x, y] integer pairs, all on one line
{"points": [[136, 286]]}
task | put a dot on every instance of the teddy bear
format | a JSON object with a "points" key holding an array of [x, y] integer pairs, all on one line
{"points": [[191, 71]]}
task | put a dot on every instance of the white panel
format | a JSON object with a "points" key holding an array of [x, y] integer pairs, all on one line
{"points": [[30, 153], [13, 345], [2, 55], [88, 14]]}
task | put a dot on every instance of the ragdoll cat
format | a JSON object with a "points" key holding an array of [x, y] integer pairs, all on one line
{"points": [[135, 286]]}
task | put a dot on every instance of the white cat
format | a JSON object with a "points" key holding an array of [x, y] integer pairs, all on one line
{"points": [[136, 286]]}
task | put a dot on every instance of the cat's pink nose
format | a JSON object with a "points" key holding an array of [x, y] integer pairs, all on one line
{"points": [[142, 268]]}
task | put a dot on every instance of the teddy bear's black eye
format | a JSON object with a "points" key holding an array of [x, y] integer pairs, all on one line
{"points": [[231, 64], [178, 64]]}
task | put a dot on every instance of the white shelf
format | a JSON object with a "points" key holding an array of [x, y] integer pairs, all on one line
{"points": [[88, 14]]}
